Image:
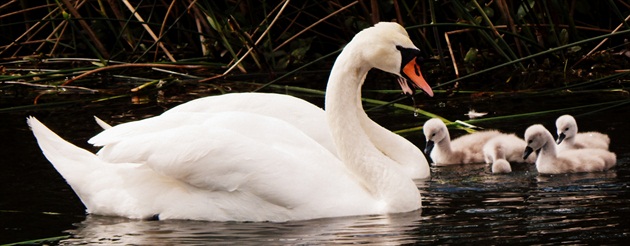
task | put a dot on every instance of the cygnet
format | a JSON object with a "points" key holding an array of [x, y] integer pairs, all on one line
{"points": [[503, 149], [463, 150], [569, 138], [550, 161]]}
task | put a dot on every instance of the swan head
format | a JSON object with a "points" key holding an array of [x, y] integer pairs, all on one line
{"points": [[435, 131], [536, 136], [566, 126], [386, 46]]}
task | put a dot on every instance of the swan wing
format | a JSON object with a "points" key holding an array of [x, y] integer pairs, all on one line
{"points": [[145, 126], [216, 170], [303, 115], [237, 152]]}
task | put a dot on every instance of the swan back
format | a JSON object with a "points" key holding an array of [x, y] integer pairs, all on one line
{"points": [[298, 112]]}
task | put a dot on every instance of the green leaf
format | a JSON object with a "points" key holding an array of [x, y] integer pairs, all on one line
{"points": [[471, 55]]}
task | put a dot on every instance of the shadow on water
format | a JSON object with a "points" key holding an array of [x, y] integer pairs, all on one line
{"points": [[461, 204]]}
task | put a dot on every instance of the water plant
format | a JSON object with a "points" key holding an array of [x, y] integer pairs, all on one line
{"points": [[92, 50]]}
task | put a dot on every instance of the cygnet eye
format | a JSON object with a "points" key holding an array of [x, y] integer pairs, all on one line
{"points": [[566, 129], [530, 141]]}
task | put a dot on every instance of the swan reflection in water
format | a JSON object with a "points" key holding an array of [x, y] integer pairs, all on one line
{"points": [[393, 229]]}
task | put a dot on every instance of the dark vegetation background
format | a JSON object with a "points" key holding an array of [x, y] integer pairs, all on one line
{"points": [[64, 50]]}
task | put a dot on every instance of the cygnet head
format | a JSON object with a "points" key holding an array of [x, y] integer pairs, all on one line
{"points": [[566, 126], [386, 46], [536, 136], [435, 131]]}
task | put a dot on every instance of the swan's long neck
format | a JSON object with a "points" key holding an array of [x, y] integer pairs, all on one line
{"points": [[548, 152], [408, 156], [444, 145], [343, 111]]}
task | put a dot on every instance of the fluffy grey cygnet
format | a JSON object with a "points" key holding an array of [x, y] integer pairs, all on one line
{"points": [[569, 138], [463, 150], [503, 149], [550, 161]]}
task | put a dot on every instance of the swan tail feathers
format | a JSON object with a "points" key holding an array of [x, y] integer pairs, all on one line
{"points": [[72, 162]]}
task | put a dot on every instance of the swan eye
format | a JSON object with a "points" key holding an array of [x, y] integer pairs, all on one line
{"points": [[530, 141], [566, 129]]}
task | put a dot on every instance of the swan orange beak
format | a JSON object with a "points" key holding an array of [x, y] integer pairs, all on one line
{"points": [[411, 71]]}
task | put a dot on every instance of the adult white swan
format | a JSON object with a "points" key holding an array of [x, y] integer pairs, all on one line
{"points": [[244, 166]]}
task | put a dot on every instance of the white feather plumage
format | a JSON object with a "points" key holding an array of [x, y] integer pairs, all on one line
{"points": [[253, 156]]}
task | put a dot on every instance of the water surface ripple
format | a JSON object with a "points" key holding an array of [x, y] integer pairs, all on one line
{"points": [[463, 204]]}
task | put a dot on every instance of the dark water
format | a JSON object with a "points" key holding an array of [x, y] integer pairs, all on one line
{"points": [[461, 204]]}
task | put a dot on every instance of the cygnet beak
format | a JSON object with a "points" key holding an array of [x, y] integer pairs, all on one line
{"points": [[561, 137], [429, 148], [528, 151]]}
